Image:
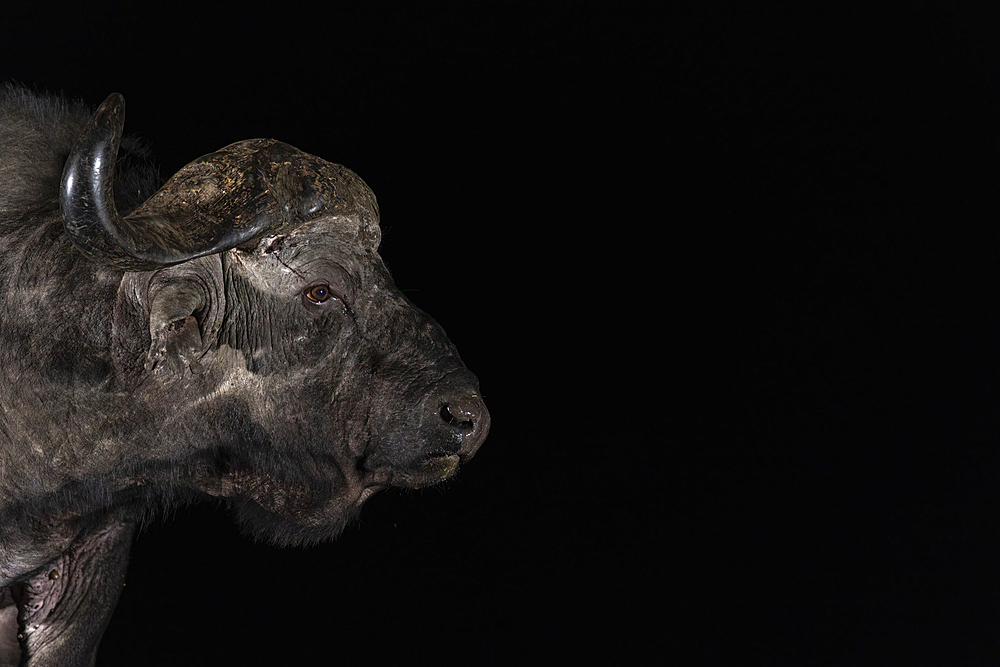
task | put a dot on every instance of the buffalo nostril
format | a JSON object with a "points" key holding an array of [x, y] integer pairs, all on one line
{"points": [[458, 416], [462, 412], [465, 421]]}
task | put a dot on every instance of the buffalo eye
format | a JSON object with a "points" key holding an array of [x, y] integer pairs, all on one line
{"points": [[319, 293]]}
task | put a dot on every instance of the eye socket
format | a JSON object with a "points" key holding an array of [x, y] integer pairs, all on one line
{"points": [[319, 293]]}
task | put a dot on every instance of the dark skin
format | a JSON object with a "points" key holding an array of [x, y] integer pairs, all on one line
{"points": [[64, 609], [234, 336], [319, 398]]}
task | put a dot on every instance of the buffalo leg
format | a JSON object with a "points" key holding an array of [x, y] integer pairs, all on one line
{"points": [[63, 610]]}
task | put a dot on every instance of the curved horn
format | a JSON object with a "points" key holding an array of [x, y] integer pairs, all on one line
{"points": [[218, 202], [86, 195]]}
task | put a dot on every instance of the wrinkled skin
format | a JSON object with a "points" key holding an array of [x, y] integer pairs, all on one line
{"points": [[287, 376]]}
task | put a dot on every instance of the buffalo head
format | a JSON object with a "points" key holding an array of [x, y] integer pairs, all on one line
{"points": [[272, 360]]}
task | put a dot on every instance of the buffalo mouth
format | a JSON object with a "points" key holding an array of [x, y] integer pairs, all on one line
{"points": [[430, 469], [371, 474], [436, 468]]}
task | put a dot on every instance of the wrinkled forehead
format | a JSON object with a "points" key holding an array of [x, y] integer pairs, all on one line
{"points": [[329, 249], [348, 237], [350, 234]]}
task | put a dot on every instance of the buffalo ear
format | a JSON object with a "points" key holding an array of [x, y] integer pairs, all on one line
{"points": [[174, 328], [176, 347]]}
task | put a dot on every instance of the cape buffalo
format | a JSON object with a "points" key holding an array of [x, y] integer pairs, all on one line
{"points": [[231, 334]]}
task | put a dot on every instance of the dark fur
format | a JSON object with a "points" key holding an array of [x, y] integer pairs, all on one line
{"points": [[124, 394], [37, 133]]}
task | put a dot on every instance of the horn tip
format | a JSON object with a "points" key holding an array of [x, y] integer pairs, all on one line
{"points": [[113, 104]]}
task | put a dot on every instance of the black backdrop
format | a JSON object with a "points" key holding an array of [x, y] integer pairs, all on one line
{"points": [[726, 275]]}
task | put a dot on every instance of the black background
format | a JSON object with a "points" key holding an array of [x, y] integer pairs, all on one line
{"points": [[726, 275]]}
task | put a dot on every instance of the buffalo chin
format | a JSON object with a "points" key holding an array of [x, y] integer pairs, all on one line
{"points": [[282, 531]]}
